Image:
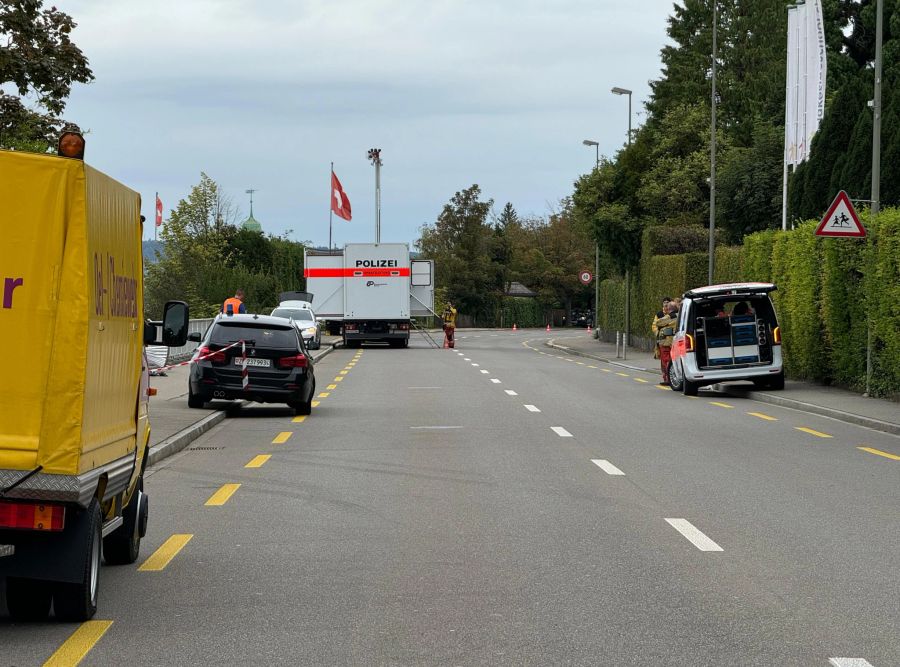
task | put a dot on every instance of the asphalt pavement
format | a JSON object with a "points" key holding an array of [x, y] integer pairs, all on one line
{"points": [[506, 503]]}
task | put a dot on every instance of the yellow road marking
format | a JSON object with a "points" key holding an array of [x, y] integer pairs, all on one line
{"points": [[258, 461], [606, 370], [282, 437], [720, 405], [164, 555], [221, 496], [331, 386], [641, 380], [592, 367], [78, 644], [324, 394], [580, 363], [299, 420], [818, 434], [624, 375], [315, 404], [878, 452], [762, 416], [344, 372], [663, 387], [339, 379]]}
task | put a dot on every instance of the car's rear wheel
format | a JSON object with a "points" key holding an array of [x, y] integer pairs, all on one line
{"points": [[195, 401], [776, 382], [689, 388], [676, 377]]}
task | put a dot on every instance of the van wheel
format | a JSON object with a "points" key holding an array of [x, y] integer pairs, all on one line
{"points": [[28, 599], [689, 388], [675, 376], [776, 382], [123, 545], [194, 401], [78, 602]]}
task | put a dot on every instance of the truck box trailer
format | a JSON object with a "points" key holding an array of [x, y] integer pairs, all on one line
{"points": [[74, 423], [373, 290]]}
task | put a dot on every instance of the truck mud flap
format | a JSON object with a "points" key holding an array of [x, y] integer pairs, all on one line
{"points": [[49, 556]]}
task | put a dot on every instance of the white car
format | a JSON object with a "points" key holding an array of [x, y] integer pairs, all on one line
{"points": [[304, 318]]}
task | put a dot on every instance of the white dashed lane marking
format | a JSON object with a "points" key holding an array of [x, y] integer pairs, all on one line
{"points": [[532, 408], [849, 662], [607, 467], [510, 392], [561, 432], [495, 380], [693, 535], [485, 372]]}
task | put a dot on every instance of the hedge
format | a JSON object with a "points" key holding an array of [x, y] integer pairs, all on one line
{"points": [[521, 311]]}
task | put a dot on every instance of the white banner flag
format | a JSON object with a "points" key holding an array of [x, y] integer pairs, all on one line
{"points": [[806, 71]]}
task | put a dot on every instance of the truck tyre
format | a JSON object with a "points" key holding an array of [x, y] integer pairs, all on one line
{"points": [[123, 545], [196, 402], [78, 602], [28, 599]]}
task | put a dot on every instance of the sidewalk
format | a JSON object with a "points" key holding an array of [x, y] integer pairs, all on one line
{"points": [[847, 406], [173, 425]]}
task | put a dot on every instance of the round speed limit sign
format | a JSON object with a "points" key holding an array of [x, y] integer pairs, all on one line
{"points": [[585, 277]]}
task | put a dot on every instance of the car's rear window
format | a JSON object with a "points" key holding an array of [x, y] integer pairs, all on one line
{"points": [[261, 336], [293, 313]]}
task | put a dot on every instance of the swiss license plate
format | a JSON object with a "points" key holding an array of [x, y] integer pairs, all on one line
{"points": [[265, 363]]}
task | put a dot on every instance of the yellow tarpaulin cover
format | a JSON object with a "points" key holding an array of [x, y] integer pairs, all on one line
{"points": [[70, 314]]}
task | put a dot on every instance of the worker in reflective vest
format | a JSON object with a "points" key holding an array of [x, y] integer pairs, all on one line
{"points": [[449, 317], [235, 304]]}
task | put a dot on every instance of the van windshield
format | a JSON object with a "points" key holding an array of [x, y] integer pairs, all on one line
{"points": [[297, 314]]}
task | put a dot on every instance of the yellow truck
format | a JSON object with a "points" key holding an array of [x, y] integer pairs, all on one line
{"points": [[74, 427]]}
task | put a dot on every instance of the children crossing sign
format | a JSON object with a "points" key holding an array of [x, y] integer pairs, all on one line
{"points": [[841, 219]]}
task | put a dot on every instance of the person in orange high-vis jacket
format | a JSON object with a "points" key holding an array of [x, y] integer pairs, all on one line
{"points": [[235, 304], [449, 317]]}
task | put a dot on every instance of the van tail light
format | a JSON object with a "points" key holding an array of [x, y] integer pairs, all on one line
{"points": [[403, 326], [688, 343], [32, 516], [217, 357], [776, 336], [297, 361]]}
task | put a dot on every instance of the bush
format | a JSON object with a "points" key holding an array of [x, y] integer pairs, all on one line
{"points": [[883, 296], [673, 240], [757, 256], [844, 309], [521, 311], [728, 267]]}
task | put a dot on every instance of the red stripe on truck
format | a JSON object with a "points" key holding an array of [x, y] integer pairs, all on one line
{"points": [[356, 273]]}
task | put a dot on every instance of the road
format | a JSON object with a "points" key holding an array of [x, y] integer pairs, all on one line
{"points": [[505, 504]]}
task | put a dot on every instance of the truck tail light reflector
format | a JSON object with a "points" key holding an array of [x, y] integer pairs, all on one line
{"points": [[688, 343], [216, 357], [32, 516], [776, 336], [403, 326], [298, 361]]}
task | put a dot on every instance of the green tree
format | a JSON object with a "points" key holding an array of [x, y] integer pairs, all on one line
{"points": [[38, 59], [460, 243]]}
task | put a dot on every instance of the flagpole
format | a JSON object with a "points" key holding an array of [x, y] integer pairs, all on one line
{"points": [[330, 206]]}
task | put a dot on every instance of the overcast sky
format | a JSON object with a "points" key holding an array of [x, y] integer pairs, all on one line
{"points": [[267, 94]]}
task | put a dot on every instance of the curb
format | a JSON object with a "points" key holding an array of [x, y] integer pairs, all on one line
{"points": [[175, 443], [833, 413], [762, 397], [569, 350]]}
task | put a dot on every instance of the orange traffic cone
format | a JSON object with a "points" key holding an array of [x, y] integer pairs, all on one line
{"points": [[588, 329], [514, 327], [548, 328]]}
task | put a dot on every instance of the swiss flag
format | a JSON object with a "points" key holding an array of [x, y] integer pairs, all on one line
{"points": [[158, 211], [340, 203]]}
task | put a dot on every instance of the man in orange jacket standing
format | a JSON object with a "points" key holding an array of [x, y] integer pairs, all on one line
{"points": [[235, 304]]}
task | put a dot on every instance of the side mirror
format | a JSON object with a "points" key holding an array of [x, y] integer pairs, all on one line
{"points": [[175, 324], [195, 337]]}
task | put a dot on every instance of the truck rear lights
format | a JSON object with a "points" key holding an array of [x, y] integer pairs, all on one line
{"points": [[403, 326], [32, 516], [217, 357], [297, 361], [776, 336], [350, 326]]}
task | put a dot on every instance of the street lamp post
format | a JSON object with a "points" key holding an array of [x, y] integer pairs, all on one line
{"points": [[712, 152], [596, 145], [625, 91], [876, 169]]}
